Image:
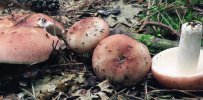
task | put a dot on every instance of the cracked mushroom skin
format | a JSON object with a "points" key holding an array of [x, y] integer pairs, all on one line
{"points": [[121, 59], [24, 45], [182, 67], [84, 35], [33, 20]]}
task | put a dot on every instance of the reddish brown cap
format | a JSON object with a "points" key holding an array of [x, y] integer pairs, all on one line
{"points": [[121, 59]]}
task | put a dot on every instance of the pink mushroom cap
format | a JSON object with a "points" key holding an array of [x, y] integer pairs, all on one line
{"points": [[32, 20], [26, 45], [121, 59], [84, 35]]}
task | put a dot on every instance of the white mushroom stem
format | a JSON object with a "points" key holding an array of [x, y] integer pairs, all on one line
{"points": [[189, 47]]}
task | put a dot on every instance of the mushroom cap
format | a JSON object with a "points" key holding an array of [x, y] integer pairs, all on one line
{"points": [[33, 20], [121, 59], [164, 69], [24, 45], [85, 34], [39, 19], [7, 21]]}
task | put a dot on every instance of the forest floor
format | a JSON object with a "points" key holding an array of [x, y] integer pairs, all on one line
{"points": [[69, 75]]}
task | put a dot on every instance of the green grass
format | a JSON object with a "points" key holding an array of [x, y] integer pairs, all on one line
{"points": [[172, 13]]}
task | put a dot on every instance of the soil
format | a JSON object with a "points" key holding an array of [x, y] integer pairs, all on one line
{"points": [[69, 75]]}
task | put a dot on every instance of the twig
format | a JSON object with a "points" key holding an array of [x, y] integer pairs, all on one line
{"points": [[178, 16], [187, 92], [159, 24], [149, 6], [28, 93], [165, 19], [129, 91], [148, 13], [169, 6], [33, 89], [190, 94], [135, 97], [57, 97], [120, 91], [170, 19], [146, 91], [66, 64], [116, 93]]}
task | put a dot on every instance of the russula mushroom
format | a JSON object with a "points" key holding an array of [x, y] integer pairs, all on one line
{"points": [[121, 60], [182, 67], [26, 45], [84, 35], [33, 20]]}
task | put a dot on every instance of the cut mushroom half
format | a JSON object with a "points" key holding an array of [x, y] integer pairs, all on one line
{"points": [[182, 67]]}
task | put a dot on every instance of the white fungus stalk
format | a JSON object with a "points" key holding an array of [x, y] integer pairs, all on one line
{"points": [[189, 47]]}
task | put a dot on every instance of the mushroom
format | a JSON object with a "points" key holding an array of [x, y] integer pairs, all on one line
{"points": [[24, 45], [121, 60], [84, 35], [5, 23], [182, 67], [33, 20]]}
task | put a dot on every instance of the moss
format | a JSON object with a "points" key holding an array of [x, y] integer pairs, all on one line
{"points": [[145, 39], [148, 41]]}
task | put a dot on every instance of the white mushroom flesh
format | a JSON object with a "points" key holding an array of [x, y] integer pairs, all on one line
{"points": [[189, 47]]}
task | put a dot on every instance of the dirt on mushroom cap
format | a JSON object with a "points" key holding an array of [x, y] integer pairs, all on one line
{"points": [[121, 60], [85, 34]]}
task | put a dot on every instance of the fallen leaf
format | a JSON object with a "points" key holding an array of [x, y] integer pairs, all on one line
{"points": [[104, 88]]}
